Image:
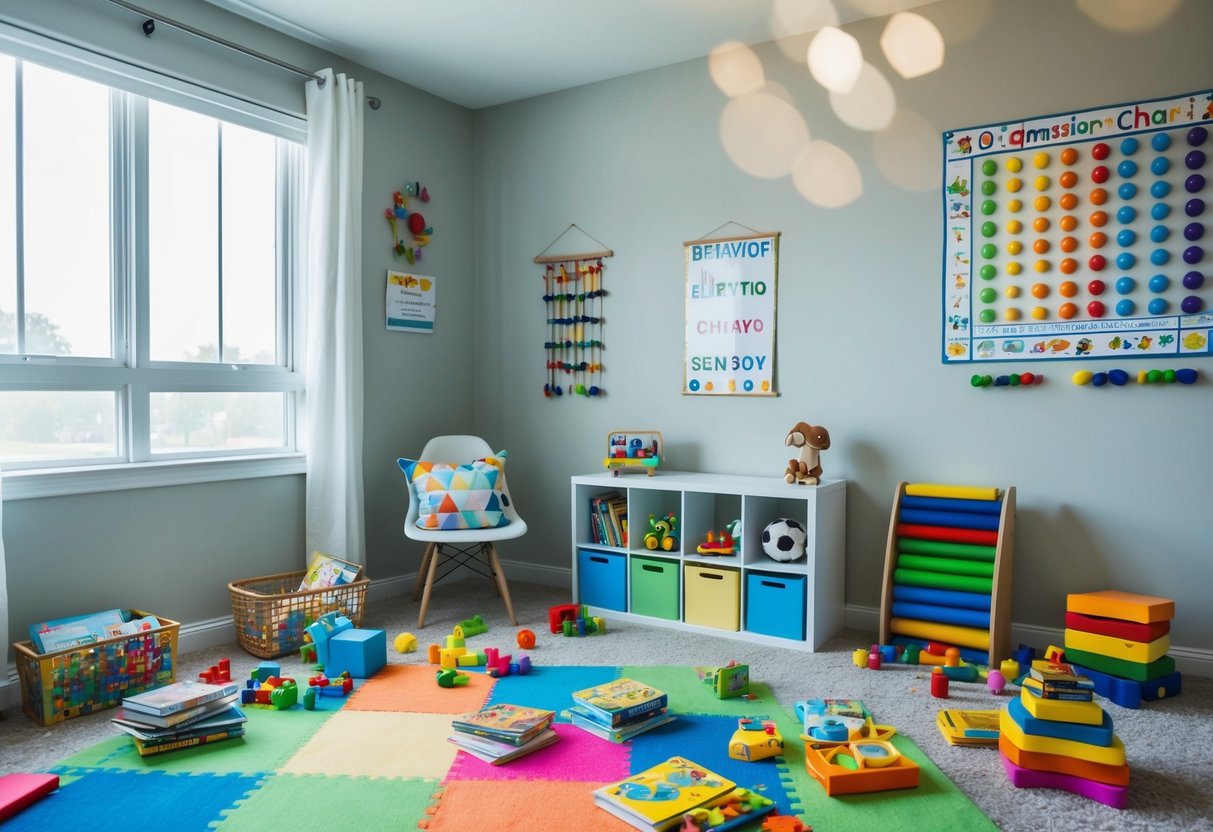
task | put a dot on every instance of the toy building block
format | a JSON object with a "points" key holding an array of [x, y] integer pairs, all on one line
{"points": [[477, 659], [784, 823], [449, 656], [450, 678], [362, 652], [286, 695], [325, 628], [728, 681], [473, 626], [19, 791], [1127, 606], [560, 613], [218, 673], [309, 699], [455, 640], [1130, 693], [307, 653], [266, 670]]}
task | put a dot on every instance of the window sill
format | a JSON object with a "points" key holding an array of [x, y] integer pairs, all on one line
{"points": [[59, 482]]}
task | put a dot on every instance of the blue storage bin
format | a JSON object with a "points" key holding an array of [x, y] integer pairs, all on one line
{"points": [[602, 579], [775, 604]]}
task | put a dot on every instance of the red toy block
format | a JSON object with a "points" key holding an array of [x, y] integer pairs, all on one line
{"points": [[18, 791], [560, 613]]}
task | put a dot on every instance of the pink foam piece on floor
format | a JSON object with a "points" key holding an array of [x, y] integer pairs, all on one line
{"points": [[577, 756], [20, 790], [1028, 778]]}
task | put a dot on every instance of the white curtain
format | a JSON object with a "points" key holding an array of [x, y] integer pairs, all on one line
{"points": [[333, 335]]}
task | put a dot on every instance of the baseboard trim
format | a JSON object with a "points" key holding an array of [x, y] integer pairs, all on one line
{"points": [[1191, 660]]}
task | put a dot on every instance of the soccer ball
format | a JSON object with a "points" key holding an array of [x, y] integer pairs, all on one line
{"points": [[784, 539]]}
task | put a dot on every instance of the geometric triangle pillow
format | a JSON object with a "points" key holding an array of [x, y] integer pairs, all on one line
{"points": [[452, 496]]}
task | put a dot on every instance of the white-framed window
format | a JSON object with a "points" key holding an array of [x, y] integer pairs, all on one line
{"points": [[147, 266]]}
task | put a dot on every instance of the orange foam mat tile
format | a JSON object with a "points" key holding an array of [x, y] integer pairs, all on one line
{"points": [[412, 688], [503, 806]]}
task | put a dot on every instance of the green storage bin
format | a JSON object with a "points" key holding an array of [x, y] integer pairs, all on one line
{"points": [[655, 587]]}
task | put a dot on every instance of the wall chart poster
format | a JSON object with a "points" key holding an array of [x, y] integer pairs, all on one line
{"points": [[1080, 234], [730, 316], [410, 302]]}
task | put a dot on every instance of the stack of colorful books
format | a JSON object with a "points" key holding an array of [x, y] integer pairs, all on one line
{"points": [[1056, 736], [181, 715], [619, 710], [1120, 640], [503, 732]]}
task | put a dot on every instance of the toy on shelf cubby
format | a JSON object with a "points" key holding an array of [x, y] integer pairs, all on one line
{"points": [[947, 571]]}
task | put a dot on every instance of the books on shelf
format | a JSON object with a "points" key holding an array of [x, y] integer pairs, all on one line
{"points": [[177, 696], [579, 716], [499, 753], [609, 519], [623, 700], [658, 797], [513, 725], [963, 727]]}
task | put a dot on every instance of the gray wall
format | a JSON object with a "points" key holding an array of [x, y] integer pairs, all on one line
{"points": [[173, 550], [1113, 484]]}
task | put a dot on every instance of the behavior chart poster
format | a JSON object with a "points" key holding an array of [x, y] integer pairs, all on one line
{"points": [[730, 316], [1080, 235], [410, 302]]}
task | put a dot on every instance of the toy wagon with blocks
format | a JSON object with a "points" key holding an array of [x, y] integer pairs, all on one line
{"points": [[633, 450]]}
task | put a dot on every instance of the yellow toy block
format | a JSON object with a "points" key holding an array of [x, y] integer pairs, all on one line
{"points": [[1060, 710], [1127, 606], [449, 656], [455, 641], [1113, 755], [471, 660], [1142, 652]]}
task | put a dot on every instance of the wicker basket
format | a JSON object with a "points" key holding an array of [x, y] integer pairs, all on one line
{"points": [[91, 677], [271, 612]]}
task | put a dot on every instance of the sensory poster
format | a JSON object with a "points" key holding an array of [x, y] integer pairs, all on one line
{"points": [[1080, 235]]}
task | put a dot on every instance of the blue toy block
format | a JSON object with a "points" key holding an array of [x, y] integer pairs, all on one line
{"points": [[1100, 735], [265, 670], [1128, 693], [323, 630], [362, 652]]}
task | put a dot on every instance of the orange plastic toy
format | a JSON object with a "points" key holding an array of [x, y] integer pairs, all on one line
{"points": [[852, 769]]}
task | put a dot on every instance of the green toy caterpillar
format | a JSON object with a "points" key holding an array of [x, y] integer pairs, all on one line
{"points": [[661, 533]]}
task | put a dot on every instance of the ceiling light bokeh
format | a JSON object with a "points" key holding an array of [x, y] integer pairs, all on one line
{"points": [[793, 23], [869, 105], [835, 59], [735, 69], [826, 175], [1128, 15], [763, 134], [912, 45]]}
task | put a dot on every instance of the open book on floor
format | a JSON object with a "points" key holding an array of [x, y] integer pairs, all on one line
{"points": [[658, 797]]}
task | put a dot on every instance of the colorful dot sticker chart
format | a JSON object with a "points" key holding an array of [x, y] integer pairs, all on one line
{"points": [[1081, 234]]}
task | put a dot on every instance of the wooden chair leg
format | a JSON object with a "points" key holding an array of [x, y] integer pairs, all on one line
{"points": [[503, 588], [429, 585], [423, 568]]}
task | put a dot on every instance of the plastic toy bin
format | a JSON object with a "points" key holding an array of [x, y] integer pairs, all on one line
{"points": [[713, 597], [92, 677], [775, 604], [271, 613], [655, 587], [602, 579]]}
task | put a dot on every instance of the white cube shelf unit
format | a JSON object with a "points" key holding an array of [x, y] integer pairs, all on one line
{"points": [[747, 595]]}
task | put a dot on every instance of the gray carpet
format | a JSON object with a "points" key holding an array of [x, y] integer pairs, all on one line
{"points": [[1169, 743]]}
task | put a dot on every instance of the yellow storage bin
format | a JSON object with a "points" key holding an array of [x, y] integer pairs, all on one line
{"points": [[712, 597]]}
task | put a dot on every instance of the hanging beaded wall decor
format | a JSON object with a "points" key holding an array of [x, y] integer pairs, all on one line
{"points": [[573, 296]]}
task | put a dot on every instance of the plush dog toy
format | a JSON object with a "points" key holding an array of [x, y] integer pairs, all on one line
{"points": [[805, 469]]}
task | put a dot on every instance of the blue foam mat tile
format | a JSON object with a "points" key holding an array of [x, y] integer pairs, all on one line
{"points": [[549, 687], [135, 800]]}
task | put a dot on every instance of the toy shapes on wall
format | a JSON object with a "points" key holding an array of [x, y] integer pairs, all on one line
{"points": [[1012, 380], [573, 296], [418, 230], [1119, 378]]}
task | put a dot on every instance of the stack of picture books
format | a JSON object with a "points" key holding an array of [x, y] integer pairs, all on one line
{"points": [[503, 732], [181, 715], [619, 710], [1058, 680], [660, 797]]}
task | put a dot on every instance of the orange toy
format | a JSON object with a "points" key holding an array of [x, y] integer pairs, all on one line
{"points": [[784, 823], [842, 770]]}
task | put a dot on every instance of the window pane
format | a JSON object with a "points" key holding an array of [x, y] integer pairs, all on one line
{"points": [[249, 278], [8, 202], [183, 240], [66, 204], [57, 424], [217, 421]]}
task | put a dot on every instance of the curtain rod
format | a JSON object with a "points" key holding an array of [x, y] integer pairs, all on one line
{"points": [[149, 26]]}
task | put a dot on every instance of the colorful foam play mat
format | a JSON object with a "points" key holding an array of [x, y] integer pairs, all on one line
{"points": [[380, 759]]}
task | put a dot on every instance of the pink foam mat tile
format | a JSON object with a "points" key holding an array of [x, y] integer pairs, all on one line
{"points": [[577, 756]]}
